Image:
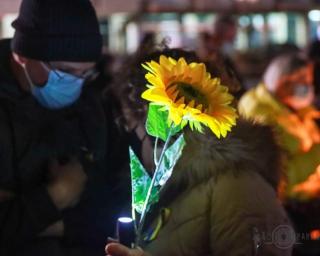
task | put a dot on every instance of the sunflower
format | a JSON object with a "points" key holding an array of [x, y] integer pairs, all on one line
{"points": [[190, 95]]}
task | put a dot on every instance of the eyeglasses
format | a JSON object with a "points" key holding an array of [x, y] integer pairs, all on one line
{"points": [[89, 74]]}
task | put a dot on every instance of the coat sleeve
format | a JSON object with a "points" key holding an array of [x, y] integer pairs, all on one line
{"points": [[247, 219], [23, 214]]}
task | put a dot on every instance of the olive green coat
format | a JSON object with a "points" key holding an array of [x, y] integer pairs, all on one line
{"points": [[222, 198]]}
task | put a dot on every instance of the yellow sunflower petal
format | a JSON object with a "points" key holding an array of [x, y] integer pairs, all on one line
{"points": [[155, 95], [154, 80], [165, 62], [214, 127], [175, 115], [147, 67]]}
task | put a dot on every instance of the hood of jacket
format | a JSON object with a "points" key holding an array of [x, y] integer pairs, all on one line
{"points": [[248, 147]]}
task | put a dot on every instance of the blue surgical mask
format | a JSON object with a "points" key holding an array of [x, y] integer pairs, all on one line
{"points": [[61, 90], [302, 90]]}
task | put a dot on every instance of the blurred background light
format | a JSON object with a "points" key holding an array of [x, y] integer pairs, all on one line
{"points": [[314, 15], [6, 28]]}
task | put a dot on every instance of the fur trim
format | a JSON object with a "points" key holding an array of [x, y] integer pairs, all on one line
{"points": [[248, 147]]}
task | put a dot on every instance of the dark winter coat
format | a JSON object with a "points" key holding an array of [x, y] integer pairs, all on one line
{"points": [[30, 136]]}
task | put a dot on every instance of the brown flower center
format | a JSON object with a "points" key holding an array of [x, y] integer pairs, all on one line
{"points": [[190, 93]]}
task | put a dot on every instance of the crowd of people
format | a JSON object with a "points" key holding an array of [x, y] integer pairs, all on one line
{"points": [[68, 117]]}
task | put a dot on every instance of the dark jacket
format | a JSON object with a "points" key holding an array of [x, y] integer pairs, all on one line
{"points": [[30, 136]]}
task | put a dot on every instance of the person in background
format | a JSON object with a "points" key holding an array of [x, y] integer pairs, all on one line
{"points": [[221, 40], [218, 47], [221, 198], [284, 100], [52, 132]]}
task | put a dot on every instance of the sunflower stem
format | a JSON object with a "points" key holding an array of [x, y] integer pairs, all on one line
{"points": [[156, 162], [146, 202], [134, 217]]}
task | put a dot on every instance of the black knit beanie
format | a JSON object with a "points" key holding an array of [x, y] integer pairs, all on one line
{"points": [[57, 30]]}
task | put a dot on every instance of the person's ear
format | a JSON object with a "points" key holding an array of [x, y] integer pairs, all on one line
{"points": [[19, 59]]}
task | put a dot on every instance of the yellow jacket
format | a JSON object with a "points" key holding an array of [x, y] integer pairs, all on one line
{"points": [[298, 134]]}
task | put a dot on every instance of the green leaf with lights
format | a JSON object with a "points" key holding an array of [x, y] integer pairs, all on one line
{"points": [[171, 156], [140, 183]]}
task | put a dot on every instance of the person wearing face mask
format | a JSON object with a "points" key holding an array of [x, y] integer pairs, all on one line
{"points": [[284, 100], [52, 130]]}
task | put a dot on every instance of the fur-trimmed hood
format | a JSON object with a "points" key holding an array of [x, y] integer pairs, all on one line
{"points": [[248, 147]]}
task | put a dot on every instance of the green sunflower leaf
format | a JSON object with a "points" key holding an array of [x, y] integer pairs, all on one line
{"points": [[140, 183], [170, 159], [157, 123]]}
